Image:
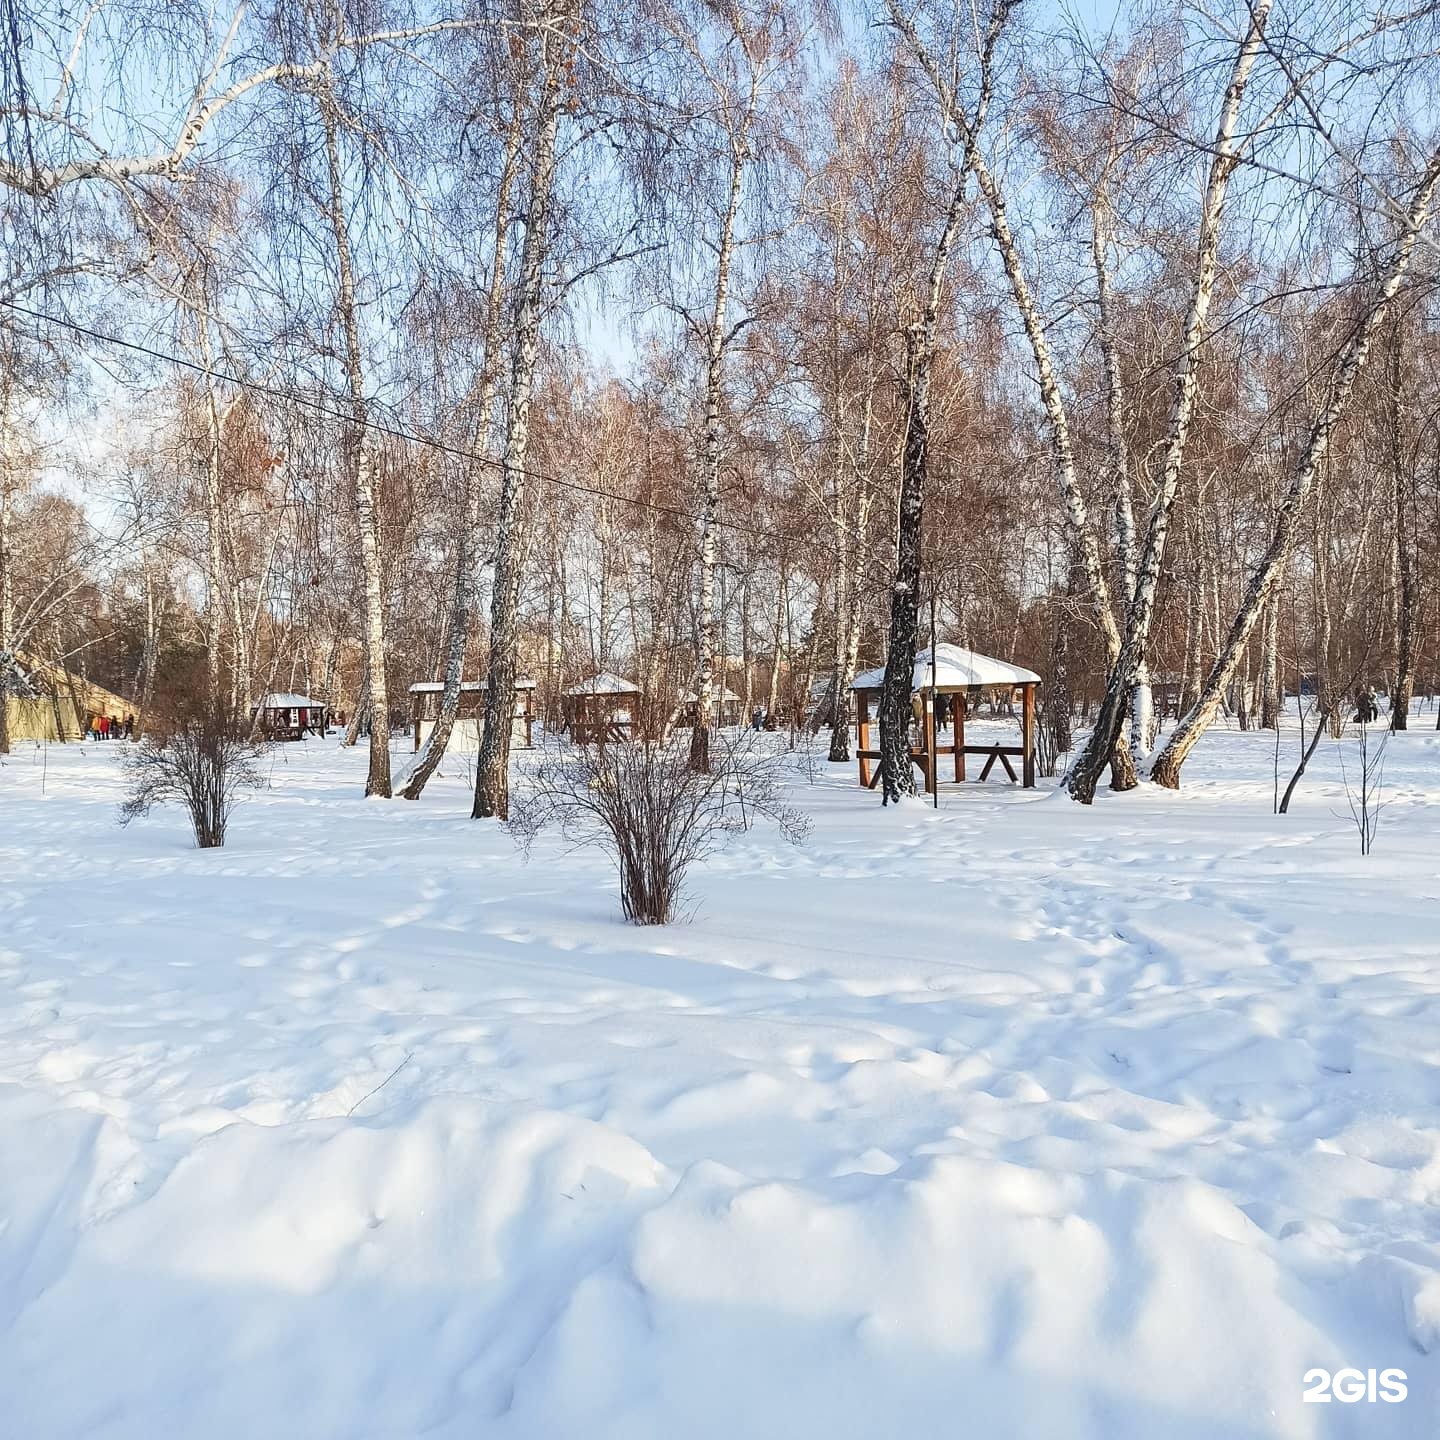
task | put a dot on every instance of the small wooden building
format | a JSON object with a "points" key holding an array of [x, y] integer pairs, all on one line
{"points": [[727, 706], [291, 717], [1167, 692], [960, 676], [470, 718], [600, 708]]}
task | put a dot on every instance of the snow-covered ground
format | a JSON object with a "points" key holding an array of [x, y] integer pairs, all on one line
{"points": [[1010, 1120]]}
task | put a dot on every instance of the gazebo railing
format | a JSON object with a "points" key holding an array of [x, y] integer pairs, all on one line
{"points": [[926, 756]]}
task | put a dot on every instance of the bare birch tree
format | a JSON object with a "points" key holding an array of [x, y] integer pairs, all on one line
{"points": [[552, 41], [736, 65], [1226, 152], [1406, 560], [467, 548], [1193, 725], [360, 458]]}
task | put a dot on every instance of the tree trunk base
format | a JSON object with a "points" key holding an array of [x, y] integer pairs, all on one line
{"points": [[700, 749], [377, 781], [1123, 775], [1400, 705], [488, 806], [1165, 772]]}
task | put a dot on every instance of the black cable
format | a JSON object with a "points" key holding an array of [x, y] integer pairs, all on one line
{"points": [[296, 397]]}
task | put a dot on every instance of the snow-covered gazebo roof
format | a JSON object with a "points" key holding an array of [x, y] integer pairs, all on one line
{"points": [[282, 701], [605, 683], [954, 669], [724, 694]]}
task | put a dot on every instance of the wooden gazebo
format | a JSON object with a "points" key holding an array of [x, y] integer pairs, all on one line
{"points": [[726, 702], [470, 718], [600, 708], [291, 717], [958, 674]]}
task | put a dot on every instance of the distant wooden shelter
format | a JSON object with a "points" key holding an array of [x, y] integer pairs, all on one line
{"points": [[959, 675], [470, 718], [727, 706], [600, 708], [1167, 692], [291, 717]]}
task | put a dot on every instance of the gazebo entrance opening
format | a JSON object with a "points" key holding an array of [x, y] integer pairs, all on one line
{"points": [[601, 708], [948, 680]]}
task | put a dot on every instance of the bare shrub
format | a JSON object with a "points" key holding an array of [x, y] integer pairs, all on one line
{"points": [[1365, 790], [644, 804], [202, 760], [1052, 733]]}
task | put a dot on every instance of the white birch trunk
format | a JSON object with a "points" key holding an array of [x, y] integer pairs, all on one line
{"points": [[1270, 663], [782, 591], [463, 596], [492, 770], [8, 641], [849, 581], [716, 346], [362, 465], [1142, 705], [1407, 601]]}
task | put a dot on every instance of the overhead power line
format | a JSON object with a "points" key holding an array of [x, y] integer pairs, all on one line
{"points": [[296, 396]]}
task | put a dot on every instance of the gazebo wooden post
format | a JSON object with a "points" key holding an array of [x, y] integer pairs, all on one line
{"points": [[1027, 735], [415, 703], [932, 769], [862, 733], [961, 704]]}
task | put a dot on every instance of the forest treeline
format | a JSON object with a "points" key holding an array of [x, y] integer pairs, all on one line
{"points": [[345, 345]]}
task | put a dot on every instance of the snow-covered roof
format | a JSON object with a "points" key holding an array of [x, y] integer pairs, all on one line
{"points": [[605, 683], [434, 687], [280, 701], [724, 695], [954, 668]]}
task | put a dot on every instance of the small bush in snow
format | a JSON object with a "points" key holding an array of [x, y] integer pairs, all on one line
{"points": [[1364, 791], [202, 761], [643, 803]]}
